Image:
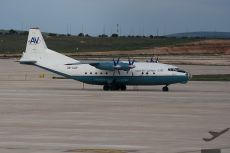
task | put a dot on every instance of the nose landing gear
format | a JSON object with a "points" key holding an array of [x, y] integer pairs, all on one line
{"points": [[165, 88]]}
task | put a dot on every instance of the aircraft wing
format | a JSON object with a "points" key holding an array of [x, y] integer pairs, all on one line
{"points": [[214, 133], [107, 65], [82, 62], [27, 61]]}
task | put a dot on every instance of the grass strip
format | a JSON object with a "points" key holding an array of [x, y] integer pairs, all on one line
{"points": [[211, 77]]}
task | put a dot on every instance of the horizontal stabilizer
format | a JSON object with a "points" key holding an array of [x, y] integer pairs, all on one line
{"points": [[28, 62]]}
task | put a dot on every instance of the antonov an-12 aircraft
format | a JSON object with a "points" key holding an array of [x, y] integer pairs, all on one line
{"points": [[113, 75]]}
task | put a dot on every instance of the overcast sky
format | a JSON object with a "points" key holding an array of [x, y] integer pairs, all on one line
{"points": [[135, 17]]}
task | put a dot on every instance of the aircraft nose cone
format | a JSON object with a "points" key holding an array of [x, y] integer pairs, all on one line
{"points": [[189, 75]]}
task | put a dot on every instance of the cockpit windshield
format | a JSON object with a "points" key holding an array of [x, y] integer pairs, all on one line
{"points": [[176, 70]]}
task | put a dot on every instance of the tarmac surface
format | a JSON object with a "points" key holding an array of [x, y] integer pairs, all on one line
{"points": [[43, 115]]}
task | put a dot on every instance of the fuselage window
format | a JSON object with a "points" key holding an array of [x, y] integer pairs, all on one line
{"points": [[85, 72], [106, 73], [142, 73], [101, 73], [171, 69], [147, 73], [90, 73], [96, 73]]}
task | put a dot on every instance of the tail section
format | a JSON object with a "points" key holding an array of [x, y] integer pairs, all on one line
{"points": [[37, 51], [39, 55], [35, 41]]}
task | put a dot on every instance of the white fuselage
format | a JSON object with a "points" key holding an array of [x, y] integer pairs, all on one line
{"points": [[143, 74], [112, 74]]}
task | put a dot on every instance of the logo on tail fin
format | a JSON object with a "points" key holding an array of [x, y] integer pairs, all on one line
{"points": [[34, 41]]}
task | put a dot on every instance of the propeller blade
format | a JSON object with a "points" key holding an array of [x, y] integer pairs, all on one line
{"points": [[118, 60], [129, 60], [151, 60], [131, 63], [114, 62]]}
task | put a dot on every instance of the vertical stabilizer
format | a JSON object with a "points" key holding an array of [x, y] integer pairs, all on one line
{"points": [[37, 51], [35, 41]]}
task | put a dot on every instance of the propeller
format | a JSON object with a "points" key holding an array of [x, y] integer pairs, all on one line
{"points": [[154, 60], [116, 64], [131, 66], [157, 60]]}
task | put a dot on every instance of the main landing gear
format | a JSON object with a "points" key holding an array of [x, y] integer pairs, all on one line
{"points": [[165, 88], [114, 87], [109, 87]]}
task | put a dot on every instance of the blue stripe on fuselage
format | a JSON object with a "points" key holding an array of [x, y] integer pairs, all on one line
{"points": [[132, 80], [125, 80]]}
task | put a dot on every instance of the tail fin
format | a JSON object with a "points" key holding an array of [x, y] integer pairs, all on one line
{"points": [[35, 41], [37, 51]]}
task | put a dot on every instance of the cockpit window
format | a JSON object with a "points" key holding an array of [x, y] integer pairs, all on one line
{"points": [[176, 70], [180, 70]]}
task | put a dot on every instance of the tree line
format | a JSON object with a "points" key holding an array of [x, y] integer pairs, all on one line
{"points": [[114, 35]]}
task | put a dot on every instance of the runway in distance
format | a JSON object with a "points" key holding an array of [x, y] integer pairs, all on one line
{"points": [[113, 75]]}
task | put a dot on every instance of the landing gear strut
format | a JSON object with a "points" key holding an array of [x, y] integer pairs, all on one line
{"points": [[165, 88]]}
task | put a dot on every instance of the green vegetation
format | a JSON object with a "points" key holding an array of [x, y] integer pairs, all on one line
{"points": [[10, 44], [216, 77], [91, 44], [15, 42]]}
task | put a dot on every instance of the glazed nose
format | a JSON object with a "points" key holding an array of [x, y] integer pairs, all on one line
{"points": [[189, 75]]}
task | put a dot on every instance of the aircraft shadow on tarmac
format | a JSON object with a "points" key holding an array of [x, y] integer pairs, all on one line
{"points": [[215, 134]]}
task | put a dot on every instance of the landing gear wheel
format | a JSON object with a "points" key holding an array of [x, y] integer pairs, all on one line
{"points": [[106, 87], [165, 88], [110, 87], [123, 88]]}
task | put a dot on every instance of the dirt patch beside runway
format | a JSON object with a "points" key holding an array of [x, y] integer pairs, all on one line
{"points": [[203, 47]]}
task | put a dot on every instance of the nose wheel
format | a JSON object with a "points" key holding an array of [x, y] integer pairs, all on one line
{"points": [[165, 89]]}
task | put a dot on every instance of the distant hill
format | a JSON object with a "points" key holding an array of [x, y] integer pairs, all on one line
{"points": [[202, 34]]}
